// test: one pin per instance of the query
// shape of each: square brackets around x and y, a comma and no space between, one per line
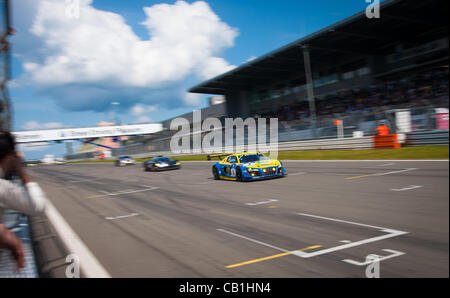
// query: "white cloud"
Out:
[139,109]
[192,99]
[143,119]
[34,125]
[212,67]
[85,61]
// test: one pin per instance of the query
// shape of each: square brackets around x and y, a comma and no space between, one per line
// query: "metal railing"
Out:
[421,138]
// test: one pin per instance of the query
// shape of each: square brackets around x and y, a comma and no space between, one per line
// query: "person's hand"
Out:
[10,242]
[13,163]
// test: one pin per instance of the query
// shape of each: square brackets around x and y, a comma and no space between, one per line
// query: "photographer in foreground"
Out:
[31,202]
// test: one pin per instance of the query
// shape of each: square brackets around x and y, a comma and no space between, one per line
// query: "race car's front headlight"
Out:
[178,163]
[157,164]
[253,170]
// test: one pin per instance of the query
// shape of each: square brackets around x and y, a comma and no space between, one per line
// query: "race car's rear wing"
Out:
[219,156]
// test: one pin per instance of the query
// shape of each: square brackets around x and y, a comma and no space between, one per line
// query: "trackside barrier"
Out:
[386,142]
[89,265]
[422,138]
[328,144]
[19,224]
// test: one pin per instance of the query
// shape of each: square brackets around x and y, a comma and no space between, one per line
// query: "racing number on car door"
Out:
[231,170]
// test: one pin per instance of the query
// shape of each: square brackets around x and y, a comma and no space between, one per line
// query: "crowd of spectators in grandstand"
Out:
[427,89]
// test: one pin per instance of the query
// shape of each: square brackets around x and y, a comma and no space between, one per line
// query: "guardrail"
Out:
[19,224]
[422,138]
[71,244]
[327,144]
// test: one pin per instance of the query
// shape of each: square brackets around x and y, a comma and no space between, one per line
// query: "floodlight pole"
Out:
[310,90]
[115,117]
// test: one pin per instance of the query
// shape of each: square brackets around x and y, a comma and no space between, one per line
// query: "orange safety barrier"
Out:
[386,142]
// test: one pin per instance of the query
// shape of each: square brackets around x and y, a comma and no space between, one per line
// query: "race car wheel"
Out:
[239,175]
[215,173]
[117,164]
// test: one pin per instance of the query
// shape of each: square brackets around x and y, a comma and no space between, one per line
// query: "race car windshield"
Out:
[252,158]
[162,159]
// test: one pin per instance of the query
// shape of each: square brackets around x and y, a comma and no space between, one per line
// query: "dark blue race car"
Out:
[161,163]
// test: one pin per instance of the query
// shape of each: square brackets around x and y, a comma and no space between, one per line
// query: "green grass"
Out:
[424,152]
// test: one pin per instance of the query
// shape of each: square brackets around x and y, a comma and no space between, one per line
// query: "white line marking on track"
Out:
[340,220]
[123,192]
[85,180]
[261,203]
[407,188]
[253,240]
[345,241]
[395,172]
[296,174]
[383,165]
[386,165]
[90,266]
[390,233]
[393,254]
[209,182]
[128,191]
[381,174]
[123,216]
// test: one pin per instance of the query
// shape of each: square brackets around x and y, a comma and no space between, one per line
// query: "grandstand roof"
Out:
[403,21]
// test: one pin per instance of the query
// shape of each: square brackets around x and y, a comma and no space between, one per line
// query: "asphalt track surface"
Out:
[322,220]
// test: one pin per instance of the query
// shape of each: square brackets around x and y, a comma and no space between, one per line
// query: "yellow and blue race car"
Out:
[246,167]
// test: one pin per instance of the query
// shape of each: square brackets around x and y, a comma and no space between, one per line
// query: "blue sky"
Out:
[75,94]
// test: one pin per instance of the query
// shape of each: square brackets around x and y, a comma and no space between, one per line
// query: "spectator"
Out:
[11,196]
[408,91]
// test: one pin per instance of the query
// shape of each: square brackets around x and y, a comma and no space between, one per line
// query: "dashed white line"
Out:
[123,216]
[261,203]
[385,165]
[297,174]
[395,172]
[407,188]
[128,191]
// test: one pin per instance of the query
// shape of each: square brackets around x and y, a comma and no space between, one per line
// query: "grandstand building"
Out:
[359,66]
